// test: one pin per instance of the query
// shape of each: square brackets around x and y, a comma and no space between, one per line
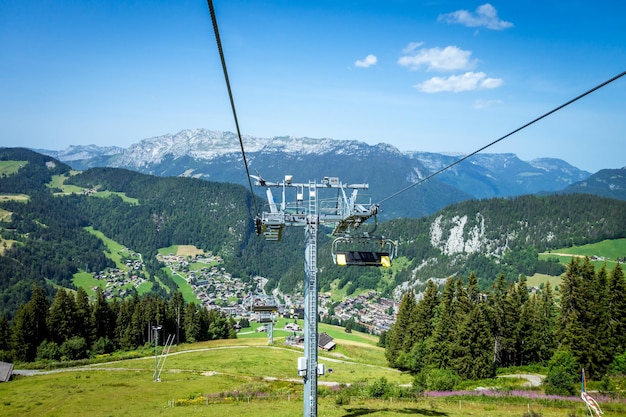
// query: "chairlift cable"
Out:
[232,101]
[504,137]
[232,105]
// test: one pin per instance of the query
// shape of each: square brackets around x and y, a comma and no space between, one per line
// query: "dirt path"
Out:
[534,380]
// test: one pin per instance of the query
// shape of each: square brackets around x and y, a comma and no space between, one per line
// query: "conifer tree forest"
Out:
[71,327]
[472,333]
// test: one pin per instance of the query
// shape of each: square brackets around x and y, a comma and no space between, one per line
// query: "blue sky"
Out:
[440,76]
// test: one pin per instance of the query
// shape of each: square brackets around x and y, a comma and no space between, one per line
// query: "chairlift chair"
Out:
[349,251]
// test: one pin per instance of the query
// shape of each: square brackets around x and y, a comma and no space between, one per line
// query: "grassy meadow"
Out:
[609,250]
[245,377]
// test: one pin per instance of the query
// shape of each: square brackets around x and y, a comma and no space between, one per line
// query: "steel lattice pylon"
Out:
[309,212]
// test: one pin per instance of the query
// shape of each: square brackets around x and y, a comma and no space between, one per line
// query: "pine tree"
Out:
[176,310]
[440,345]
[504,311]
[125,335]
[398,340]
[5,337]
[24,334]
[40,305]
[472,289]
[603,352]
[422,326]
[573,322]
[103,317]
[616,300]
[84,317]
[191,323]
[462,304]
[62,317]
[473,348]
[539,336]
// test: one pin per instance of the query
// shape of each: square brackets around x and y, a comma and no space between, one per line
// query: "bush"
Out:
[48,351]
[419,383]
[380,388]
[102,346]
[618,366]
[441,380]
[343,398]
[562,374]
[74,348]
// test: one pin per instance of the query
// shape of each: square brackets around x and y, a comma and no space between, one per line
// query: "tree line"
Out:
[471,333]
[71,327]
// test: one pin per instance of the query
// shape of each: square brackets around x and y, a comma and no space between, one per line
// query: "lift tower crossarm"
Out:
[342,211]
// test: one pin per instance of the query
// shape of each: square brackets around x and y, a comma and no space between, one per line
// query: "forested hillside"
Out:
[466,333]
[46,241]
[504,235]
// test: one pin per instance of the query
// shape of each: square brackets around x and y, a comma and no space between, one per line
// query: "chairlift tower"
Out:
[309,211]
[266,315]
[156,329]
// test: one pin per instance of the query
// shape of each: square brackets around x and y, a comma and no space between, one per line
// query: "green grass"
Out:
[538,279]
[58,182]
[169,250]
[609,249]
[183,287]
[144,287]
[14,197]
[123,196]
[338,332]
[222,368]
[87,282]
[10,167]
[115,250]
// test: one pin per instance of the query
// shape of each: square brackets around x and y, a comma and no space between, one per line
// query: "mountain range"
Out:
[46,211]
[217,156]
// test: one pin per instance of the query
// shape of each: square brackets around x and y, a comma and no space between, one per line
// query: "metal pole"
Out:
[310,306]
[156,356]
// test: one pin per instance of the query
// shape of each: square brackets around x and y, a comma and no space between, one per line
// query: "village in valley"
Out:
[215,288]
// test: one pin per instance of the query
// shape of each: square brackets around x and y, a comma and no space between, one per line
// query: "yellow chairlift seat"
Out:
[344,253]
[363,258]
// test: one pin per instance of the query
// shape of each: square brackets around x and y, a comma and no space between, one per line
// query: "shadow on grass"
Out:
[355,412]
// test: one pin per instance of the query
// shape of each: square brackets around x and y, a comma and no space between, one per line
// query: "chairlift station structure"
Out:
[308,209]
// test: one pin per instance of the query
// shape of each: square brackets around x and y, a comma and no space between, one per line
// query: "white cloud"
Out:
[449,58]
[485,16]
[367,62]
[411,47]
[458,83]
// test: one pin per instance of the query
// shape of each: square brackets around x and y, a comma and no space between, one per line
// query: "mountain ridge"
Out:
[216,155]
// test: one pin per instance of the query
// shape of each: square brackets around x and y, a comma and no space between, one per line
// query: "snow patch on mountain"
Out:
[203,144]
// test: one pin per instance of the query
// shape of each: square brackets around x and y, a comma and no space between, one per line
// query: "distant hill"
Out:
[216,156]
[44,237]
[51,243]
[502,235]
[607,183]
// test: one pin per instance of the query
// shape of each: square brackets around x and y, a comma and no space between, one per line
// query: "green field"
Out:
[183,287]
[10,167]
[115,250]
[58,182]
[609,250]
[538,279]
[245,377]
